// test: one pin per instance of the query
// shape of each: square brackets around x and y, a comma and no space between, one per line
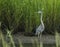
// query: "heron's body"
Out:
[40,28]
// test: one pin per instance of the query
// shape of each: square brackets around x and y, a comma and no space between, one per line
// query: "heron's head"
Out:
[39,12]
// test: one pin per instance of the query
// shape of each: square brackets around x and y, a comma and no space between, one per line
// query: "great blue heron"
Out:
[40,28]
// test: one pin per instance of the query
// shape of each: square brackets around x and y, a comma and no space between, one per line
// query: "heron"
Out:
[41,27]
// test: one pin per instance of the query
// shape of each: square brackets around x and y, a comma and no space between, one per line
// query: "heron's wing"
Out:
[40,28]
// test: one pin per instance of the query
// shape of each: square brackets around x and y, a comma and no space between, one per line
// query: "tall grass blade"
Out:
[11,38]
[4,43]
[33,43]
[20,43]
[57,37]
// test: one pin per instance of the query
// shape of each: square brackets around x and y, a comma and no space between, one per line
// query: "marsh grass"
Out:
[33,43]
[11,38]
[21,13]
[4,43]
[20,43]
[57,38]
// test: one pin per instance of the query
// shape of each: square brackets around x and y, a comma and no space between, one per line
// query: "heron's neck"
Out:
[41,19]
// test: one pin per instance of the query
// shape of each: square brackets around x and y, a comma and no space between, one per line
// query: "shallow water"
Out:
[44,45]
[31,45]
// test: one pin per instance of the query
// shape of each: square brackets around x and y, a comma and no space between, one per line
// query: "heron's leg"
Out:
[41,42]
[39,39]
[40,36]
